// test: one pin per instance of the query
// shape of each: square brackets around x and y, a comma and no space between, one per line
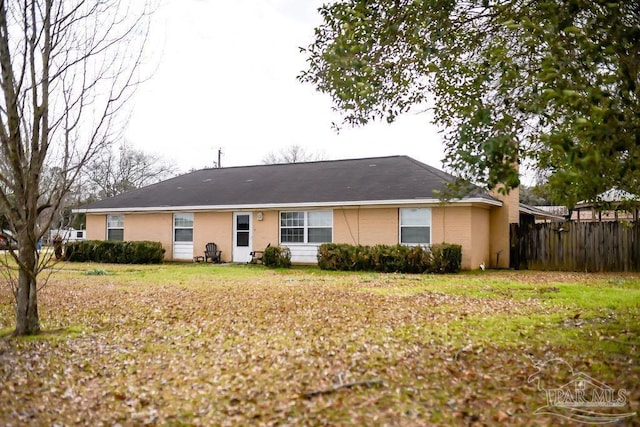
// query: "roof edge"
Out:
[532,210]
[430,201]
[348,159]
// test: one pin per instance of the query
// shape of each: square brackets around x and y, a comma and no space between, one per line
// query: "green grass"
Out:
[597,296]
[206,344]
[62,334]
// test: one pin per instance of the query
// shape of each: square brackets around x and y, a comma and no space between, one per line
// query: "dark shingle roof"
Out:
[369,179]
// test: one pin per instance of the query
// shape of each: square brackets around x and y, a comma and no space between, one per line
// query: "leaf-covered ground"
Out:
[243,345]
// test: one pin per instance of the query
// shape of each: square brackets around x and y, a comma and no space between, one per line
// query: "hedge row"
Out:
[115,252]
[277,256]
[438,258]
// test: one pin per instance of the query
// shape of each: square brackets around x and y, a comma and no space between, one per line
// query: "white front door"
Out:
[242,236]
[183,236]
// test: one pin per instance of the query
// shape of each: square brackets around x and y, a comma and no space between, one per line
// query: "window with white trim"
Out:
[115,227]
[183,227]
[415,226]
[306,227]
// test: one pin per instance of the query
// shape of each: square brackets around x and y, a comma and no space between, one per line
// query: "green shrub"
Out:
[97,272]
[400,259]
[277,256]
[417,260]
[328,258]
[107,251]
[361,259]
[442,258]
[446,258]
[81,251]
[115,252]
[147,252]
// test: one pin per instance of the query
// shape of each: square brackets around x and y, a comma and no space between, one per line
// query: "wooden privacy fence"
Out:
[573,246]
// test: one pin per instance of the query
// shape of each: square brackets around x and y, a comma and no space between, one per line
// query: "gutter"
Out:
[355,203]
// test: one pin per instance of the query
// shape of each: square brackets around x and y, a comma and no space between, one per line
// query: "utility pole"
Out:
[219,157]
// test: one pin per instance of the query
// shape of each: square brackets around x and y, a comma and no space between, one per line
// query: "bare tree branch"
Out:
[67,69]
[124,169]
[292,154]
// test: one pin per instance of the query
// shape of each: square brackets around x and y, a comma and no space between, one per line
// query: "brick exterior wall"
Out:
[477,228]
[215,227]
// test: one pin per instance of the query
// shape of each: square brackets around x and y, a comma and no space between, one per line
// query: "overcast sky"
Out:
[226,78]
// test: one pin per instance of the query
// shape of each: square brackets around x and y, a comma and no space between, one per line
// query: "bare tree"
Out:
[67,69]
[292,154]
[124,169]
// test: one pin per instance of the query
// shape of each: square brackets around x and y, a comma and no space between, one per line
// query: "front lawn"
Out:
[198,344]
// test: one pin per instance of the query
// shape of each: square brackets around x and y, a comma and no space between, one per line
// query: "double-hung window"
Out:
[292,227]
[319,226]
[115,227]
[306,227]
[183,227]
[415,226]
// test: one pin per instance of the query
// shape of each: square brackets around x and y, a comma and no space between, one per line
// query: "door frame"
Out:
[242,253]
[182,250]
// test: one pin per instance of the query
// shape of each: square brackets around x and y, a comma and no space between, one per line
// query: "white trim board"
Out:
[307,205]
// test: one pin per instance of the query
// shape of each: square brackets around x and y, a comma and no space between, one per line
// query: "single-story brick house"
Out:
[383,200]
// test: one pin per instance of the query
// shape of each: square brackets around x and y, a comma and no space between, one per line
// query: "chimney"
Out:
[501,218]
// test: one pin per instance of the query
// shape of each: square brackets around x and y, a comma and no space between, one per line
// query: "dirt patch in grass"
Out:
[205,345]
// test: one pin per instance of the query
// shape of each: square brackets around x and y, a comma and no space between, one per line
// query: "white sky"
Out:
[226,78]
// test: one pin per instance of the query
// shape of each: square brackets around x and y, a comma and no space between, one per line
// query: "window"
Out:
[183,227]
[243,232]
[292,227]
[306,227]
[415,226]
[115,227]
[320,227]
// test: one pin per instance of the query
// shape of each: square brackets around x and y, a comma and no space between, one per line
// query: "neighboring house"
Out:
[612,205]
[537,214]
[384,200]
[560,211]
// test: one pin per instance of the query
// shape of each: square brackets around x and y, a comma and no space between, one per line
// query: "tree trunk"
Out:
[65,73]
[27,320]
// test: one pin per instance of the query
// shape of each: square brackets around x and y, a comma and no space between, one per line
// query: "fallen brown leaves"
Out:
[204,350]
